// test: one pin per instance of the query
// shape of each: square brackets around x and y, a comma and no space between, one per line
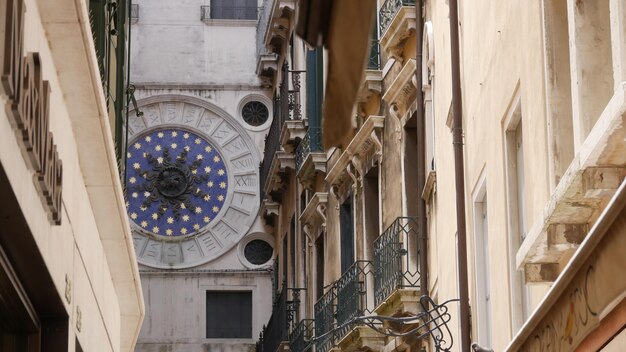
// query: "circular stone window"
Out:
[255,113]
[258,252]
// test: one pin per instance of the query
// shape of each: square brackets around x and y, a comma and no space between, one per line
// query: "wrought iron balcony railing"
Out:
[389,10]
[301,335]
[294,111]
[312,142]
[272,145]
[352,302]
[395,266]
[325,320]
[373,63]
[280,323]
[287,106]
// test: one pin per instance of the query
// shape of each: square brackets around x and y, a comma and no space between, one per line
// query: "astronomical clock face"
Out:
[191,183]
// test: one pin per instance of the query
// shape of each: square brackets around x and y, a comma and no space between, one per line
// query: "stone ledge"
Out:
[280,163]
[399,302]
[361,338]
[363,143]
[291,132]
[400,93]
[581,195]
[401,27]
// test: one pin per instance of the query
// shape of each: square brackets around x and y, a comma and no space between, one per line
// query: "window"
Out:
[292,250]
[410,167]
[234,9]
[372,222]
[319,267]
[516,208]
[258,252]
[481,256]
[229,314]
[255,113]
[346,223]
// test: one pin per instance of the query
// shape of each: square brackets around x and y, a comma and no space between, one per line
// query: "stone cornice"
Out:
[363,144]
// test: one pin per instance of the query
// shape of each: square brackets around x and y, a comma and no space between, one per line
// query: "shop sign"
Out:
[27,106]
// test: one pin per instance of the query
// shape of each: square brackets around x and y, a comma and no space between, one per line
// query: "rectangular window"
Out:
[234,9]
[346,223]
[517,226]
[319,267]
[371,209]
[314,86]
[481,252]
[229,314]
[410,167]
[292,250]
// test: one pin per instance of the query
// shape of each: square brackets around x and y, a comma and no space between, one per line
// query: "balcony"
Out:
[277,19]
[286,131]
[355,299]
[347,298]
[396,278]
[397,22]
[364,149]
[300,339]
[310,156]
[372,80]
[294,127]
[276,333]
[401,90]
[373,62]
[267,62]
[276,162]
[325,321]
[314,214]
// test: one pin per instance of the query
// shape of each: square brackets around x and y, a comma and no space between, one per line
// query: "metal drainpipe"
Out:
[457,141]
[422,237]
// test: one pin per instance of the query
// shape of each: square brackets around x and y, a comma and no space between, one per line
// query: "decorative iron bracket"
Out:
[430,322]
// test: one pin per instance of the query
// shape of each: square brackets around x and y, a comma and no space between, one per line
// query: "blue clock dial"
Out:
[177,182]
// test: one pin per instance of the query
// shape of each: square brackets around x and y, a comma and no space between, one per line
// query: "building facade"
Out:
[69,277]
[543,142]
[195,140]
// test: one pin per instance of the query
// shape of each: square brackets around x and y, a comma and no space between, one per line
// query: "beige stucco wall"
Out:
[501,56]
[80,249]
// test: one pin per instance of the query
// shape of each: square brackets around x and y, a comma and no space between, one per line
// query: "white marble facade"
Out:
[197,75]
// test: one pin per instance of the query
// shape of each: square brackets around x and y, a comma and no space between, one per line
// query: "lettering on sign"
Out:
[28,107]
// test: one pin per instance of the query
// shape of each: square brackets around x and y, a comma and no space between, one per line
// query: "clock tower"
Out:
[195,140]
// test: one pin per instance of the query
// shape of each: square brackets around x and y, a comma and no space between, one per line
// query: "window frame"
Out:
[245,331]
